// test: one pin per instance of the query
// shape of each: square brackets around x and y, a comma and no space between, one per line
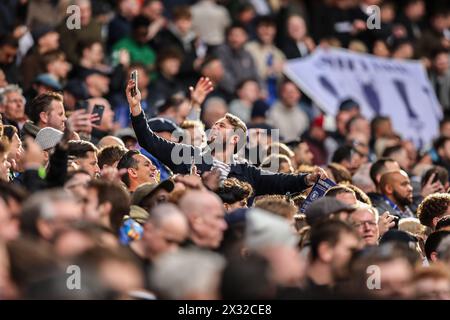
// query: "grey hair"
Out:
[8,89]
[164,211]
[43,202]
[186,272]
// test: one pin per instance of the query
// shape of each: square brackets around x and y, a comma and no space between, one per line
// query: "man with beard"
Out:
[226,137]
[332,243]
[397,195]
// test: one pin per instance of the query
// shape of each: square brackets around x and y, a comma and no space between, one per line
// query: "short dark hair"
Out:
[12,190]
[352,121]
[340,173]
[377,167]
[168,53]
[233,26]
[434,205]
[42,103]
[440,173]
[140,22]
[246,279]
[266,20]
[433,241]
[327,231]
[440,142]
[9,40]
[443,222]
[234,190]
[110,154]
[243,82]
[181,12]
[334,191]
[127,161]
[73,173]
[80,148]
[390,151]
[342,153]
[52,56]
[9,131]
[116,195]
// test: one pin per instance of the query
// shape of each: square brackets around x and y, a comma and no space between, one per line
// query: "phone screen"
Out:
[134,77]
[98,110]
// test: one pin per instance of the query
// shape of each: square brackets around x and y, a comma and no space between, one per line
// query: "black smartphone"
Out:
[98,110]
[134,77]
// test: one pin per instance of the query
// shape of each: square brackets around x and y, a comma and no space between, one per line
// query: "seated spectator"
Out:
[248,92]
[326,267]
[136,44]
[13,106]
[179,35]
[396,191]
[205,214]
[269,60]
[365,221]
[234,194]
[47,40]
[298,44]
[432,208]
[90,30]
[287,115]
[139,170]
[149,195]
[83,155]
[238,64]
[167,83]
[109,156]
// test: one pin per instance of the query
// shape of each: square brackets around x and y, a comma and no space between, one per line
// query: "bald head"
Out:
[110,141]
[197,203]
[391,177]
[204,211]
[397,187]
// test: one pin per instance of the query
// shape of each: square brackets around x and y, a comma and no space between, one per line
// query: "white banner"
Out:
[398,89]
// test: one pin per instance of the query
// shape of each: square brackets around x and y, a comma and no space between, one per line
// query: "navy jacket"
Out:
[177,157]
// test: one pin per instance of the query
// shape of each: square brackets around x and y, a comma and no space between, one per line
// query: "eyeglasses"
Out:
[371,224]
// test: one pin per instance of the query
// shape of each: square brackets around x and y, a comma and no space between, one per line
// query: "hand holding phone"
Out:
[134,77]
[98,111]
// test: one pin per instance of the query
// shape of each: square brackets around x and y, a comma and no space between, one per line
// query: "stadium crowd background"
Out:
[103,196]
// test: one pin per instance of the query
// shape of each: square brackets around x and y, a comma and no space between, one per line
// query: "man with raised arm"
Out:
[225,139]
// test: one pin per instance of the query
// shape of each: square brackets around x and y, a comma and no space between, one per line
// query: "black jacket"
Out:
[263,182]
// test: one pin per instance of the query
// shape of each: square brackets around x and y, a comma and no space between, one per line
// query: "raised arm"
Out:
[171,154]
[281,183]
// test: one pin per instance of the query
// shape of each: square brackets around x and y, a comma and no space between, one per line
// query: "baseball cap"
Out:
[48,138]
[163,125]
[323,208]
[147,189]
[48,80]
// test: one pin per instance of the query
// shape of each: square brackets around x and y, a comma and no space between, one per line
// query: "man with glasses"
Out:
[365,222]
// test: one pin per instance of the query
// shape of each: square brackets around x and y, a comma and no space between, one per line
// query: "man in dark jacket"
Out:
[225,139]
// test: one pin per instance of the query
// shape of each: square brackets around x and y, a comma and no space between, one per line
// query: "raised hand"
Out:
[133,101]
[315,175]
[198,94]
